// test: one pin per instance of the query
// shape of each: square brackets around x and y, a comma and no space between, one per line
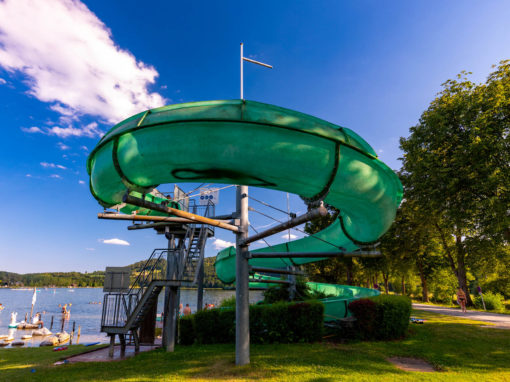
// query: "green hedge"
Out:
[187,333]
[384,317]
[276,323]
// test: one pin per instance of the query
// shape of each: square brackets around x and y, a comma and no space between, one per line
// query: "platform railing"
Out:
[118,307]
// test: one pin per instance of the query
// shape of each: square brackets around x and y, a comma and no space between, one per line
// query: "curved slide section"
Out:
[255,144]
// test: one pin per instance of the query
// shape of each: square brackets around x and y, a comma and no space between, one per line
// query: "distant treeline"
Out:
[92,279]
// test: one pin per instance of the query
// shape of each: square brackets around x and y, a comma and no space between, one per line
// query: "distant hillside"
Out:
[93,279]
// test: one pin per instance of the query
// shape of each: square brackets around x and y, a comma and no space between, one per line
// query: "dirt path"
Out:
[501,320]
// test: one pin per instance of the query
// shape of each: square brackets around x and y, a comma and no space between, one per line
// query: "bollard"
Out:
[72,333]
[51,326]
[78,336]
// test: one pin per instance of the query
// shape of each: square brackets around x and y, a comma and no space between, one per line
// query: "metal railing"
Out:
[118,307]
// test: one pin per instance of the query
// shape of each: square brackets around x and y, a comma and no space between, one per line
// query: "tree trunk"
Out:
[348,264]
[403,285]
[425,291]
[458,269]
[386,277]
[461,270]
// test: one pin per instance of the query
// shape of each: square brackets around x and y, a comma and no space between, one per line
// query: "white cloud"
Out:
[81,182]
[55,176]
[62,146]
[90,249]
[53,165]
[71,61]
[286,236]
[220,244]
[115,241]
[2,81]
[91,131]
[84,148]
[28,175]
[33,129]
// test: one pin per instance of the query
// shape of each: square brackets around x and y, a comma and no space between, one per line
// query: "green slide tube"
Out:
[255,144]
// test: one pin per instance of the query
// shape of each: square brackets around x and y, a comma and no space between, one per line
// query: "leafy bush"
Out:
[384,317]
[442,286]
[228,302]
[365,311]
[493,301]
[215,326]
[303,292]
[277,323]
[187,333]
[393,314]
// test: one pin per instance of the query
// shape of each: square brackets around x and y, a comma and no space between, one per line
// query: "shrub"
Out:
[493,301]
[393,314]
[383,317]
[365,311]
[282,292]
[228,302]
[276,323]
[214,326]
[187,333]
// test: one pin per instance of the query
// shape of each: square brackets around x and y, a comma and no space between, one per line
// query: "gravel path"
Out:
[501,320]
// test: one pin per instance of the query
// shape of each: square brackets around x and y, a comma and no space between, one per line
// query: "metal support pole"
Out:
[242,95]
[171,299]
[200,287]
[242,279]
[310,215]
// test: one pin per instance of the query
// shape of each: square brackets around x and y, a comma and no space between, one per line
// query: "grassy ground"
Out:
[460,349]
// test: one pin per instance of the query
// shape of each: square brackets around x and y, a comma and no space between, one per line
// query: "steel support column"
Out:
[200,287]
[171,298]
[242,281]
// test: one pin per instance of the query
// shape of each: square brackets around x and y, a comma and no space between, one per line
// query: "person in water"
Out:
[187,310]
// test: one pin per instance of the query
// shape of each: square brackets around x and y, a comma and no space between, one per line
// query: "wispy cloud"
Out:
[90,249]
[53,165]
[220,244]
[115,241]
[71,61]
[286,236]
[90,130]
[33,129]
[2,81]
[62,146]
[81,182]
[56,176]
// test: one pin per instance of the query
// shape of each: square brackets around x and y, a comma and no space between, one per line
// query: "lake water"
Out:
[84,312]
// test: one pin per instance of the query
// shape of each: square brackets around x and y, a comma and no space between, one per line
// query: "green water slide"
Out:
[255,144]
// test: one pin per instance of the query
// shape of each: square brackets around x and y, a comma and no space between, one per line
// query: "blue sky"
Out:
[69,70]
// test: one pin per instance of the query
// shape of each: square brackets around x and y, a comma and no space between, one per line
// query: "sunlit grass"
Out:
[458,348]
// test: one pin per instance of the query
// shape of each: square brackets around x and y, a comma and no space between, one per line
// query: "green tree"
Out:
[456,166]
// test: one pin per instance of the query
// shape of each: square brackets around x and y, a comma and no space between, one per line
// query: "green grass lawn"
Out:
[460,349]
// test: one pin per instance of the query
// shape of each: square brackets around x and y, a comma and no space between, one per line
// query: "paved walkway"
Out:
[101,355]
[500,320]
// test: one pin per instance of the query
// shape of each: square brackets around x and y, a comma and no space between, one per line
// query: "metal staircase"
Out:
[124,311]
